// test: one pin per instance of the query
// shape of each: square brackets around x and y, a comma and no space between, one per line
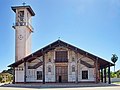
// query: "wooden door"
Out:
[61,74]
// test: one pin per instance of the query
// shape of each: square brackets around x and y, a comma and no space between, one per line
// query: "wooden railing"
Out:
[61,60]
[23,24]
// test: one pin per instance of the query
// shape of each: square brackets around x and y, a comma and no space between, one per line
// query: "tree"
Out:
[8,71]
[113,75]
[114,59]
[118,74]
[0,79]
[10,78]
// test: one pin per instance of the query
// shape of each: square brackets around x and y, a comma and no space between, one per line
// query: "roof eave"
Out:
[27,7]
[67,45]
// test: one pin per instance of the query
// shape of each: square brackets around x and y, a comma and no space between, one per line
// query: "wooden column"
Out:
[101,75]
[109,79]
[77,73]
[104,75]
[96,70]
[13,75]
[24,72]
[43,69]
[76,66]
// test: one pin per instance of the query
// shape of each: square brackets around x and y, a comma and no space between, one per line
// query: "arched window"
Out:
[49,68]
[73,68]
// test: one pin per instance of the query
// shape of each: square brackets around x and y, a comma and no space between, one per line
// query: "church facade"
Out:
[58,62]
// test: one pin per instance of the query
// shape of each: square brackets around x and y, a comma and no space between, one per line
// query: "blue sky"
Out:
[92,25]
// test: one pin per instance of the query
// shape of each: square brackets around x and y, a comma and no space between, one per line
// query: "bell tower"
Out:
[23,30]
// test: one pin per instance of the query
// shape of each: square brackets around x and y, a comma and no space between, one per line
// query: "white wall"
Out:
[72,75]
[115,79]
[49,76]
[90,74]
[32,74]
[19,75]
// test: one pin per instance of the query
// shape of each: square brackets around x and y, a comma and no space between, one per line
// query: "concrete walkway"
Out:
[59,85]
[74,88]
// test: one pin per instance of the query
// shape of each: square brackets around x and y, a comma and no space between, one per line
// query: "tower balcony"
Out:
[23,24]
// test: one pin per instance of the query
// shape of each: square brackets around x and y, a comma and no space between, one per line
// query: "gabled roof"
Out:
[103,63]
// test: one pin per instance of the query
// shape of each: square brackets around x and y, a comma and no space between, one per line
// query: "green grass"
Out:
[116,82]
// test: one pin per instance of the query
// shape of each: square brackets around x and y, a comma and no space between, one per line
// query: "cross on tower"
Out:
[23,3]
[58,38]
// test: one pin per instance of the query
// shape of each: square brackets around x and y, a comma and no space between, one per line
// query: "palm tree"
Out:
[114,59]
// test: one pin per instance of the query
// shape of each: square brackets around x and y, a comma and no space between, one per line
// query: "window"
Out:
[73,59]
[73,68]
[49,68]
[61,56]
[39,75]
[21,15]
[85,74]
[49,60]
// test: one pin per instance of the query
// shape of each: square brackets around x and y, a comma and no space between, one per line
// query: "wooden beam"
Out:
[35,66]
[48,48]
[86,64]
[31,58]
[43,69]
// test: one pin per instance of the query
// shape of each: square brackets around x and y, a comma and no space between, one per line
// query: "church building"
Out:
[58,62]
